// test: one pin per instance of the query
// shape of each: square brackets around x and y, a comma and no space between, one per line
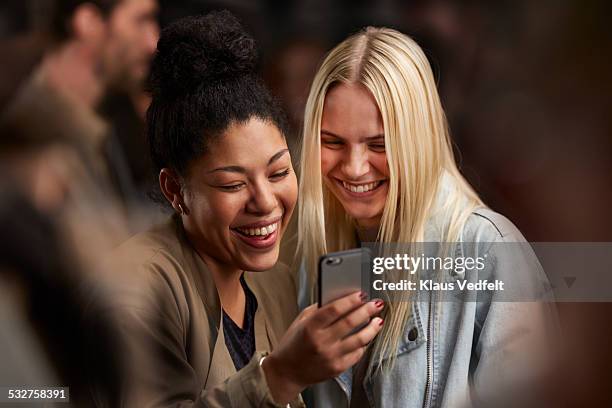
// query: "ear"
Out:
[88,23]
[170,185]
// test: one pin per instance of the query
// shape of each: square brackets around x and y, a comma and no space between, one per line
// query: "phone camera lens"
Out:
[333,261]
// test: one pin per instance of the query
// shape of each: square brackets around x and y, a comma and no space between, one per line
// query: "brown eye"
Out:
[280,175]
[232,187]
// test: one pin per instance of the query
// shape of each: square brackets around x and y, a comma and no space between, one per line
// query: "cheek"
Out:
[329,160]
[379,162]
[218,210]
[287,192]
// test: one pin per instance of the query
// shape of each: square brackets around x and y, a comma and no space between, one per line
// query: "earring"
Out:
[181,210]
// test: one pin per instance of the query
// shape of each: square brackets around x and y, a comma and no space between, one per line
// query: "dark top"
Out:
[240,341]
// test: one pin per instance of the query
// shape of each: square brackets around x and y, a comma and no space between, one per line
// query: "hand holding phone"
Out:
[320,344]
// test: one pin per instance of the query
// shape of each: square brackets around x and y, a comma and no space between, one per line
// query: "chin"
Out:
[261,262]
[363,214]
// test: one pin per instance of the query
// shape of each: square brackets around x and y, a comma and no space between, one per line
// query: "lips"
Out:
[360,189]
[258,231]
[260,235]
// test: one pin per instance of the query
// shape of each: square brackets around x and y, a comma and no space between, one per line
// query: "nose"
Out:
[263,199]
[151,37]
[356,163]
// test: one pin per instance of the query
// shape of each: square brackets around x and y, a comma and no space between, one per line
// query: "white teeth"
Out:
[263,231]
[361,188]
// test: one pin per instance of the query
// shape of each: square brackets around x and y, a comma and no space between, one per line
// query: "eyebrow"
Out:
[239,169]
[369,138]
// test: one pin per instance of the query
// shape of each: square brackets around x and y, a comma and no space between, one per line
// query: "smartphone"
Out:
[342,273]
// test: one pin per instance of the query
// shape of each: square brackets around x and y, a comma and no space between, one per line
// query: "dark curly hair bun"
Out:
[198,50]
[202,81]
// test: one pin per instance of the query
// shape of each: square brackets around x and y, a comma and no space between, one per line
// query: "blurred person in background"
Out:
[45,338]
[124,107]
[61,210]
[52,128]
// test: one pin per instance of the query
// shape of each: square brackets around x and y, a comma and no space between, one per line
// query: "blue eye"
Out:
[333,144]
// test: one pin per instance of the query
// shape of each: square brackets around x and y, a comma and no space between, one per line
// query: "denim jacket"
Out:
[454,353]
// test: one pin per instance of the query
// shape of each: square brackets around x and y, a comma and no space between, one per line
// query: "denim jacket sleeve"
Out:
[514,331]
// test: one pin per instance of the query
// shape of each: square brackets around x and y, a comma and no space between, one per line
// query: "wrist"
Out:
[283,388]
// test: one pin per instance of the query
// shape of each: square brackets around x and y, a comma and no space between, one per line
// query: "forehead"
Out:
[350,110]
[245,144]
[135,6]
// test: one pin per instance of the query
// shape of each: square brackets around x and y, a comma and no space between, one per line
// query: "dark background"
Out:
[526,86]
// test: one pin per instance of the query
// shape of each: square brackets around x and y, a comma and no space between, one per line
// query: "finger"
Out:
[302,316]
[362,338]
[307,312]
[349,322]
[328,314]
[351,359]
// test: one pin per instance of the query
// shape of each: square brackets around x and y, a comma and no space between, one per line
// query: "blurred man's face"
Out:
[132,39]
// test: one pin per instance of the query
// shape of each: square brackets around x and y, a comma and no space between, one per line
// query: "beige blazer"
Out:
[169,312]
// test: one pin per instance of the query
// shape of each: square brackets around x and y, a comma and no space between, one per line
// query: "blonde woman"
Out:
[375,124]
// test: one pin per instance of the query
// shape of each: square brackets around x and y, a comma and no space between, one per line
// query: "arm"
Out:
[151,323]
[317,346]
[515,329]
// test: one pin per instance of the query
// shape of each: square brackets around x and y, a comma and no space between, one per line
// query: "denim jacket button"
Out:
[412,334]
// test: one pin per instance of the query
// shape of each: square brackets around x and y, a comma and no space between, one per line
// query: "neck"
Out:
[71,70]
[227,282]
[368,233]
[231,293]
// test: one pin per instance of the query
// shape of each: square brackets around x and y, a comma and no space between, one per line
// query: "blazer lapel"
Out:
[221,364]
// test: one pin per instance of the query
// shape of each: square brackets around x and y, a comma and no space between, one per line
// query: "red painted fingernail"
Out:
[379,303]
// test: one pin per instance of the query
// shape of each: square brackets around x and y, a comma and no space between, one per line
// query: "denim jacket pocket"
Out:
[414,333]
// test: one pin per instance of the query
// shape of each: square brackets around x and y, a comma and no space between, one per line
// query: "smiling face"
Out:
[353,160]
[240,196]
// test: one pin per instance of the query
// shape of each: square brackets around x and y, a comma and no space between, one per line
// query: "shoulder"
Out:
[149,264]
[490,234]
[160,244]
[484,224]
[509,257]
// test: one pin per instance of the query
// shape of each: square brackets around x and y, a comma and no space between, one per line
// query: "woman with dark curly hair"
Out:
[206,305]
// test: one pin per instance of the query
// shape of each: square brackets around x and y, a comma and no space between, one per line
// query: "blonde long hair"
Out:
[418,148]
